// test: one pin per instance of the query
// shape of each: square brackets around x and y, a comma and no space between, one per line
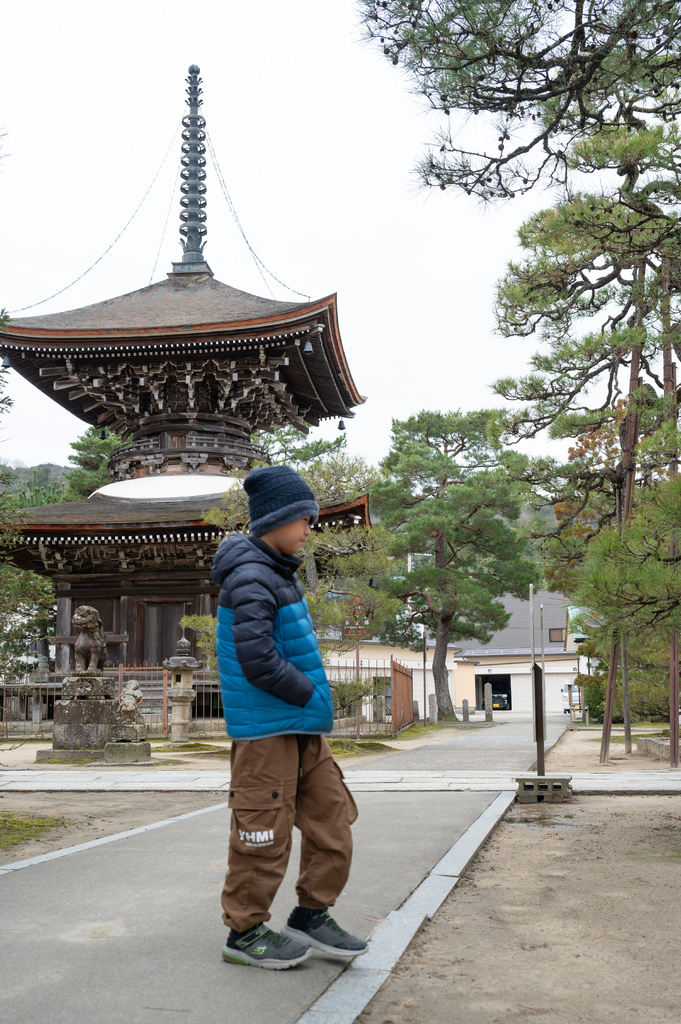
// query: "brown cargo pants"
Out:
[277,783]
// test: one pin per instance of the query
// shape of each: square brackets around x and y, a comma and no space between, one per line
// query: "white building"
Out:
[505,661]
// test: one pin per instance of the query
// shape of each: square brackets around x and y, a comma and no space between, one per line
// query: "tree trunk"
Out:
[629,471]
[445,708]
[626,709]
[311,574]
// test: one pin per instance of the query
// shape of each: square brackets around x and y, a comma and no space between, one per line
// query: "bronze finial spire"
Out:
[193,215]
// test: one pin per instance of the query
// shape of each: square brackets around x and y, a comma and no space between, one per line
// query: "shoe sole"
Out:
[340,954]
[244,960]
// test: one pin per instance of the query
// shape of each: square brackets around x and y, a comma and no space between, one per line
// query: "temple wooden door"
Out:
[161,630]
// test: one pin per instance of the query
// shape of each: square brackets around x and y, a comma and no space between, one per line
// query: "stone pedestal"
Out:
[181,701]
[127,752]
[90,723]
[81,721]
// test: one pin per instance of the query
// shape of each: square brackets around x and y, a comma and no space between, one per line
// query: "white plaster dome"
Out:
[172,487]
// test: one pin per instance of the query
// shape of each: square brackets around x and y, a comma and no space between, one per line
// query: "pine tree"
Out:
[90,458]
[516,82]
[450,494]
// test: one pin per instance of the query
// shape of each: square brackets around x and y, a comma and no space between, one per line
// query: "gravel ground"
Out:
[568,915]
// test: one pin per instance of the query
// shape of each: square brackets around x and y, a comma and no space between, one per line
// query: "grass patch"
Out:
[20,828]
[348,747]
[19,741]
[634,736]
[418,730]
[169,748]
[165,761]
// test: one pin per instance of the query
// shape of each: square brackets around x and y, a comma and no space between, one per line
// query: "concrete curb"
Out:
[353,990]
[653,781]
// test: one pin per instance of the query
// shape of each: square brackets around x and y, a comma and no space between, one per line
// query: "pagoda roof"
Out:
[184,301]
[187,315]
[102,514]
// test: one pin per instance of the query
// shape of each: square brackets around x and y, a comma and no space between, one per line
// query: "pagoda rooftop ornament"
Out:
[193,187]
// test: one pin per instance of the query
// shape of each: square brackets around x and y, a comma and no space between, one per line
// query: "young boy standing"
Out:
[277,706]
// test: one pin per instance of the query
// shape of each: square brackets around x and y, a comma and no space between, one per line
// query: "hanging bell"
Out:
[6,362]
[307,348]
[102,435]
[341,425]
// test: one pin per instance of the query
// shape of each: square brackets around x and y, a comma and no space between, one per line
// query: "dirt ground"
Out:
[578,750]
[568,915]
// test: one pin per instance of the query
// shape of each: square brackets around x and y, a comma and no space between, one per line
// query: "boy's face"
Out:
[290,538]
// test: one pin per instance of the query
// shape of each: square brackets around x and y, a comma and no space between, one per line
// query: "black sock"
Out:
[305,912]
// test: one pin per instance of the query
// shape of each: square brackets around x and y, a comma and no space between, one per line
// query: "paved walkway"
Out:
[126,930]
[507,746]
[373,781]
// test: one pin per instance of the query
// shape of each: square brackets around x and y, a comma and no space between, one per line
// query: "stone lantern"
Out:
[181,693]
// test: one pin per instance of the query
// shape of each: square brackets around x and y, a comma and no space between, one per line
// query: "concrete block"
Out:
[653,747]
[62,754]
[538,789]
[126,752]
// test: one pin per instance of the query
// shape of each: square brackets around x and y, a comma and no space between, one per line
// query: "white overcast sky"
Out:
[317,135]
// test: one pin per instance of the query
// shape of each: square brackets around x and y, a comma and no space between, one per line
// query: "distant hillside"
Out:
[45,474]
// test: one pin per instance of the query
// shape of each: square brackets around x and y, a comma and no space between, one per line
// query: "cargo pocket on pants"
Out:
[259,826]
[353,812]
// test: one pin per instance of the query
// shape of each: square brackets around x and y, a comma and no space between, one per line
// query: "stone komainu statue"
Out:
[132,696]
[90,640]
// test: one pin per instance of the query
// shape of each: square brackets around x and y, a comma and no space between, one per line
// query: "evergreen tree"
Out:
[535,75]
[90,458]
[450,494]
[26,600]
[296,449]
[333,475]
[629,581]
[38,490]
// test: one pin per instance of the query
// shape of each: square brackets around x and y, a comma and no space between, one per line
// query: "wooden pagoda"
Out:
[186,370]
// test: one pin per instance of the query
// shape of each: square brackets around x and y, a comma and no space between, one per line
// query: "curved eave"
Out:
[106,519]
[322,380]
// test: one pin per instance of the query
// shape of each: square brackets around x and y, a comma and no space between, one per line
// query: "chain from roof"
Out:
[193,215]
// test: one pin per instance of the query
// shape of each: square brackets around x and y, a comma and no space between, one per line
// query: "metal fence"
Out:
[377,698]
[371,697]
[27,707]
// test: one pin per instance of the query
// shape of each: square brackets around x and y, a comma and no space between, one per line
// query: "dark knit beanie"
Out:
[276,496]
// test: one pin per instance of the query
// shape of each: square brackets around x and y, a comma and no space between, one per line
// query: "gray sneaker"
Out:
[321,932]
[261,947]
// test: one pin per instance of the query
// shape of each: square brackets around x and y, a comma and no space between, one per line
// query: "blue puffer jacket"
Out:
[271,672]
